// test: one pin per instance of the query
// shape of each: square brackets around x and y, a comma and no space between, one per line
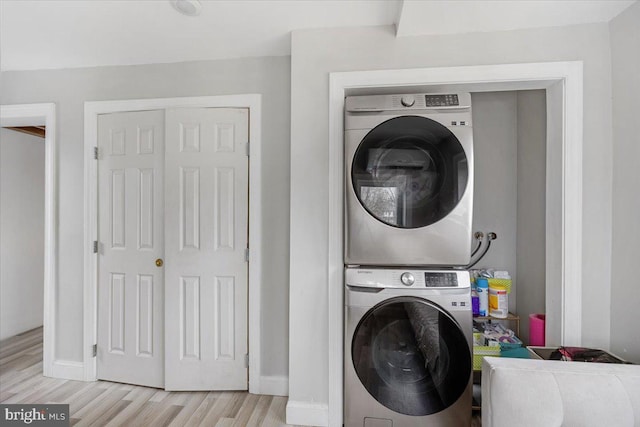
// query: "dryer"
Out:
[408,348]
[408,180]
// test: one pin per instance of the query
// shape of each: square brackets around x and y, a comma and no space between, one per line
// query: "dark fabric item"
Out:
[583,354]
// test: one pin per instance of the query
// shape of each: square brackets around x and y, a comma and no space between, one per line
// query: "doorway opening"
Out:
[21,230]
[562,82]
[44,115]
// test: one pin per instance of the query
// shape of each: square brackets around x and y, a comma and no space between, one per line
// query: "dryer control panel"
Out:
[403,102]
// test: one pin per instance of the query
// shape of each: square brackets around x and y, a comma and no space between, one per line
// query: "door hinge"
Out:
[246,360]
[248,150]
[95,350]
[95,153]
[95,246]
[246,254]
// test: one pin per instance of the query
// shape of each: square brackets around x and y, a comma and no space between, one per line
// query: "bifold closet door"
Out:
[206,235]
[173,230]
[131,239]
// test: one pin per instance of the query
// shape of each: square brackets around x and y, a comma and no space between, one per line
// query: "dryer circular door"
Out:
[411,356]
[409,172]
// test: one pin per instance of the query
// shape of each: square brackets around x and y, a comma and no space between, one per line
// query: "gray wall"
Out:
[21,232]
[495,135]
[70,88]
[625,290]
[509,130]
[316,53]
[531,177]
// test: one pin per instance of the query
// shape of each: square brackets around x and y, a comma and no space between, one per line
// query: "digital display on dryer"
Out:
[440,280]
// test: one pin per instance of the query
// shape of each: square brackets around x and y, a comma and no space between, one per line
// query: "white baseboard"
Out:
[274,385]
[71,370]
[307,413]
[67,370]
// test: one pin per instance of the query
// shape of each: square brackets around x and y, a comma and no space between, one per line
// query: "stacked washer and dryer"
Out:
[408,213]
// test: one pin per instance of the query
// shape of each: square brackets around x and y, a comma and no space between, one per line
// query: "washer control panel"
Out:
[414,279]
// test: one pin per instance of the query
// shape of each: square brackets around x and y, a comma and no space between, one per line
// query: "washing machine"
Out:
[408,180]
[408,348]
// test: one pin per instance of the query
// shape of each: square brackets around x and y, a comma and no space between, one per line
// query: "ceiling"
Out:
[48,34]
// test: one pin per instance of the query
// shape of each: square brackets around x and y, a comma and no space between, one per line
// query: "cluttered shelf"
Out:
[492,318]
[510,317]
[494,339]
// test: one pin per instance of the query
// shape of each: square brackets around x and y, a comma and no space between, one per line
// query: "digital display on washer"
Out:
[440,280]
[441,100]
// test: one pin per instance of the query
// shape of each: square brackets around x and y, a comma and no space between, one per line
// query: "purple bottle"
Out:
[475,303]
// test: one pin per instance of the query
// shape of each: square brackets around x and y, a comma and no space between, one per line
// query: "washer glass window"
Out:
[409,172]
[411,356]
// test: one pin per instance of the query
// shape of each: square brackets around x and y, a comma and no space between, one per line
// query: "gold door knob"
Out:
[159,262]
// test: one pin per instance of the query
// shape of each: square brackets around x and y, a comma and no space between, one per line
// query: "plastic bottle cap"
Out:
[482,283]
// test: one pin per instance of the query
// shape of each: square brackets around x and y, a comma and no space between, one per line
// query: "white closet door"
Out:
[130,221]
[206,229]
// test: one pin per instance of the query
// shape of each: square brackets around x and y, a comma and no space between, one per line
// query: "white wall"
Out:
[316,53]
[21,232]
[625,288]
[70,88]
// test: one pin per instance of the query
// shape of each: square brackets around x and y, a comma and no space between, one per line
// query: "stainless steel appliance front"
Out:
[408,180]
[407,348]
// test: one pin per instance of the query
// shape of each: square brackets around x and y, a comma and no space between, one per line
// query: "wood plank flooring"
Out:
[104,403]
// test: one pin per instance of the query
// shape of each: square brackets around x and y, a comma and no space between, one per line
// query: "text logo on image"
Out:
[54,415]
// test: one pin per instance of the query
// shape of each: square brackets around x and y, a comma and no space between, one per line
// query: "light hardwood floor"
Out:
[104,403]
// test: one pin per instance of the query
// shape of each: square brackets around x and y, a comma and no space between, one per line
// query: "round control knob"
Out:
[407,101]
[407,279]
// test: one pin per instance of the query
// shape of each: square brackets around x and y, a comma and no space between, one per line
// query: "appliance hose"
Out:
[490,236]
[479,237]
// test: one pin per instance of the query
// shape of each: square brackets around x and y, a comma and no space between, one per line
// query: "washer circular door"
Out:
[409,172]
[411,356]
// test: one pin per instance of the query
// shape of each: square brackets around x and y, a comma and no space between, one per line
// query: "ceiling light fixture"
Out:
[187,7]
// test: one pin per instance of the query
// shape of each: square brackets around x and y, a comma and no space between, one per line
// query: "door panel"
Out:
[206,233]
[145,315]
[190,318]
[189,208]
[130,231]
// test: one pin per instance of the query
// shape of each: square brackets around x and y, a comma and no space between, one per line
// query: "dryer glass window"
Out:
[409,172]
[411,356]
